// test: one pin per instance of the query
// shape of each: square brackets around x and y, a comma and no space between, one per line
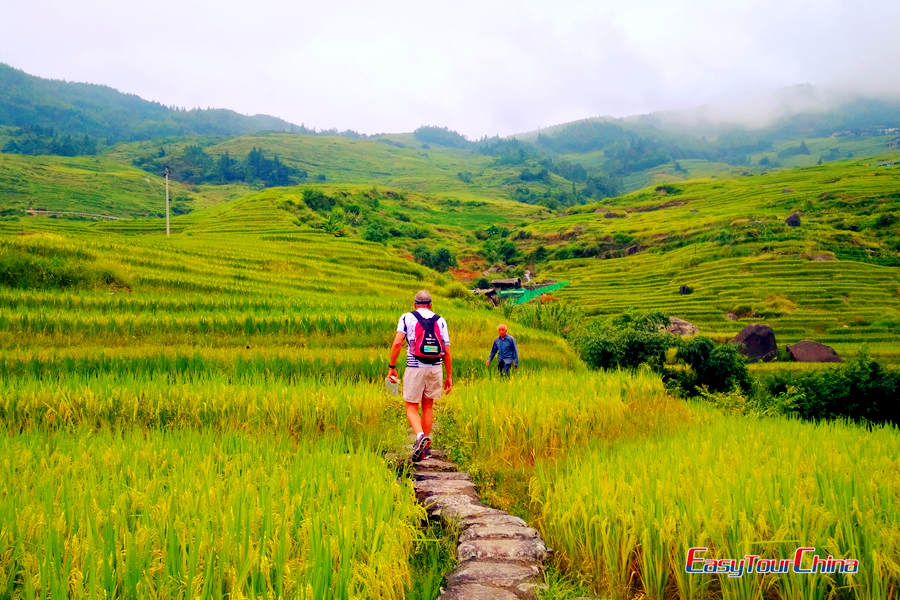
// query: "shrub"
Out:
[439,260]
[375,232]
[627,340]
[317,200]
[862,389]
[718,367]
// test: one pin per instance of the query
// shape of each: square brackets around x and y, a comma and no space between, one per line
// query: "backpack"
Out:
[428,347]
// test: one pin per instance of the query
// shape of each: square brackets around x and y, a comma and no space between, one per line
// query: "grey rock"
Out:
[503,574]
[524,550]
[731,316]
[439,488]
[434,464]
[476,591]
[459,512]
[809,351]
[681,327]
[757,342]
[509,532]
[438,503]
[793,220]
[496,518]
[427,475]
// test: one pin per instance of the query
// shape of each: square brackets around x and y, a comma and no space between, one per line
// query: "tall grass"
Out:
[138,513]
[625,514]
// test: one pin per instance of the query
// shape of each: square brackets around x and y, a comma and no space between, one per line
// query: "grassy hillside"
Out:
[834,278]
[391,160]
[88,185]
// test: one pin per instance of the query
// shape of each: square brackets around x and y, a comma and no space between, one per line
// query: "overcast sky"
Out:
[481,68]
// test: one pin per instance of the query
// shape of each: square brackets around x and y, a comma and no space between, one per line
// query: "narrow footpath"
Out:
[499,557]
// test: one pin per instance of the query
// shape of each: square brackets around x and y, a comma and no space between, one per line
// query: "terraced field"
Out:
[203,416]
[834,278]
[87,185]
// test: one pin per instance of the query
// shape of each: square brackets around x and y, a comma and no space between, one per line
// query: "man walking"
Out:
[506,350]
[427,348]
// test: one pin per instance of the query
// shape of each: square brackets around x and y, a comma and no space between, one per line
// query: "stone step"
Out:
[499,556]
[531,551]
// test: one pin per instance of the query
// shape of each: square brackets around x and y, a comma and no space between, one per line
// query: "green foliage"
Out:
[626,341]
[26,270]
[439,259]
[863,389]
[194,165]
[316,200]
[500,250]
[561,318]
[38,140]
[442,136]
[717,367]
[375,232]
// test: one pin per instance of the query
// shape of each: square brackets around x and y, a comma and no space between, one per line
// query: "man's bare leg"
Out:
[427,415]
[412,415]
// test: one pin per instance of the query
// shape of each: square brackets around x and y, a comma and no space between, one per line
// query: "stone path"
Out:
[499,556]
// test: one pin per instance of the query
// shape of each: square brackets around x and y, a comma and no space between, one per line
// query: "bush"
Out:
[317,200]
[860,390]
[375,232]
[627,341]
[718,367]
[439,260]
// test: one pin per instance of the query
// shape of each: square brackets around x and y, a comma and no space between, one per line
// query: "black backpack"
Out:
[428,346]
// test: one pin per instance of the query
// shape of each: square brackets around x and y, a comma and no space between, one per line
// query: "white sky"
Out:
[481,68]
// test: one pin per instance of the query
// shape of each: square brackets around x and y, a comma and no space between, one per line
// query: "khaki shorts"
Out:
[423,381]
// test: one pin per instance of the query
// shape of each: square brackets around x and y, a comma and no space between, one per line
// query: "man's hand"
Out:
[515,366]
[488,363]
[448,385]
[392,375]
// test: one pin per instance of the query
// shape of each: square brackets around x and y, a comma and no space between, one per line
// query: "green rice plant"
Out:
[763,487]
[177,513]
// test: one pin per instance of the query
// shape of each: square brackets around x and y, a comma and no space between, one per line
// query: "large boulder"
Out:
[809,351]
[793,220]
[757,342]
[681,327]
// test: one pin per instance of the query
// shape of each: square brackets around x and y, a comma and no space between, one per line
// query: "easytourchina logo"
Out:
[803,562]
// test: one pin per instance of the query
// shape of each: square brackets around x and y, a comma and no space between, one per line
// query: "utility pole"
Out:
[167,202]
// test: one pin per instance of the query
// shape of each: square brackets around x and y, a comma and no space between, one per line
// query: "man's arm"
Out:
[395,353]
[494,349]
[448,365]
[515,351]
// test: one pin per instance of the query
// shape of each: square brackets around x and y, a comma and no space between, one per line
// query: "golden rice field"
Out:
[622,480]
[204,416]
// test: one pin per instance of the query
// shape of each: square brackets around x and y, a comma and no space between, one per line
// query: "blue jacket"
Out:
[505,348]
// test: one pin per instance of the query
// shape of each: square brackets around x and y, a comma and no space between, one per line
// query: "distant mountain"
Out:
[760,131]
[44,108]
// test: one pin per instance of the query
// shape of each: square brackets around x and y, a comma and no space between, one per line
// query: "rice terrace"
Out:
[704,405]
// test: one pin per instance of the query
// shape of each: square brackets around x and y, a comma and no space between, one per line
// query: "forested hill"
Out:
[47,112]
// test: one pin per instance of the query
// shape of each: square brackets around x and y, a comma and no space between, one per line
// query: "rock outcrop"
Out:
[681,327]
[809,351]
[757,342]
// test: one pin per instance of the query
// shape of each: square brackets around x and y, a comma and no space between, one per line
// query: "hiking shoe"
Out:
[420,447]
